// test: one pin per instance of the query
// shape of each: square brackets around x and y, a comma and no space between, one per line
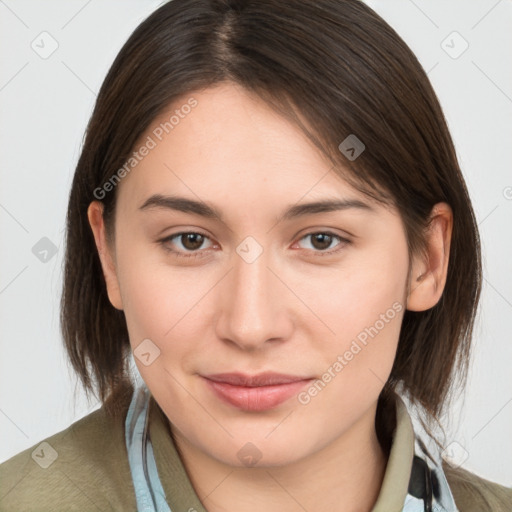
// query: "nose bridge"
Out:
[249,315]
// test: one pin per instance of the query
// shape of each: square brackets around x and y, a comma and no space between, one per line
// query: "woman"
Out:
[269,216]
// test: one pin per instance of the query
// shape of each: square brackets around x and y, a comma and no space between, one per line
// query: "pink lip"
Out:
[255,393]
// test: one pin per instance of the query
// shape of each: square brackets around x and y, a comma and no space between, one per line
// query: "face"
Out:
[265,286]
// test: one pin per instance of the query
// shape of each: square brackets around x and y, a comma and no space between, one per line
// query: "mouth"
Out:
[256,393]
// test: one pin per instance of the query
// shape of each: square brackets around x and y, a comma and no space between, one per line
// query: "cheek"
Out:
[354,294]
[361,305]
[164,307]
[355,363]
[163,303]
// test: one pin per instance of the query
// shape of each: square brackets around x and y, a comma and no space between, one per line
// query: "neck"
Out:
[345,475]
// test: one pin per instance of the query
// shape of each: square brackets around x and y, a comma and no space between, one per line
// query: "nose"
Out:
[254,305]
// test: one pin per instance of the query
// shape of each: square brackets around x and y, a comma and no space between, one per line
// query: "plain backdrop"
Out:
[45,102]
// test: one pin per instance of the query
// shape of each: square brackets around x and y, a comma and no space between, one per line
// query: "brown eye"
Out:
[321,241]
[185,244]
[192,241]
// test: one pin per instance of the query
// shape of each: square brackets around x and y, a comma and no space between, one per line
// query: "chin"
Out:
[242,452]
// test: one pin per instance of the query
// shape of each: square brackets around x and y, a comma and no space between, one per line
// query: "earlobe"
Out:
[95,216]
[429,271]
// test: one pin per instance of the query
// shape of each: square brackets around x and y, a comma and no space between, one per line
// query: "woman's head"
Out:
[250,109]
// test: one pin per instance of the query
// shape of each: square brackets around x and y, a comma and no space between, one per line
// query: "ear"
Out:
[107,258]
[429,271]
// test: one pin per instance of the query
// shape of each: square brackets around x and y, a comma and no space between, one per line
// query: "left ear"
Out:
[429,270]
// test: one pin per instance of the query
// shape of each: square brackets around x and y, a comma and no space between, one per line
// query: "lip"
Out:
[259,392]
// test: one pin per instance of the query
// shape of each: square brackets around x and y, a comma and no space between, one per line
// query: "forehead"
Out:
[232,145]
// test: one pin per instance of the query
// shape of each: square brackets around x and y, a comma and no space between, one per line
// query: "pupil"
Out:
[325,241]
[196,240]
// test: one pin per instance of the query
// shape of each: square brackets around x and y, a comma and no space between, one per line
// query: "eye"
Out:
[322,240]
[191,242]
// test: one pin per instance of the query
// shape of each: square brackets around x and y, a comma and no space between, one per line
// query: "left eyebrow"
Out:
[327,205]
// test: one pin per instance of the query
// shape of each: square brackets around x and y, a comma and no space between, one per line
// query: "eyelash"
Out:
[198,253]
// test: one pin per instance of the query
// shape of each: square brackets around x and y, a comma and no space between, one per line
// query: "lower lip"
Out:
[259,398]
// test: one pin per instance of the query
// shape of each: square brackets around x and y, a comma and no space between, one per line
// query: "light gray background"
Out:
[44,107]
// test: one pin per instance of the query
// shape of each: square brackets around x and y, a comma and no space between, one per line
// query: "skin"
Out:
[293,310]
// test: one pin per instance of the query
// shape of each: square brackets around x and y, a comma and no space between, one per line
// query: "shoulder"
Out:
[473,493]
[84,467]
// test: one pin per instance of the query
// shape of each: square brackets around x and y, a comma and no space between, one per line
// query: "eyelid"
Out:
[186,254]
[343,241]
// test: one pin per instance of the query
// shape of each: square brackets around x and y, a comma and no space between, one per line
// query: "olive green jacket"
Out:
[85,468]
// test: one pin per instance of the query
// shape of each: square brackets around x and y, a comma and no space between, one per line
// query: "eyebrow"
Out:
[183,204]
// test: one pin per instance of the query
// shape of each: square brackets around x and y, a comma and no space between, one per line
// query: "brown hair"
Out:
[334,65]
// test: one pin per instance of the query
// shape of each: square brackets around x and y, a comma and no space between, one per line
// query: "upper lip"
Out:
[261,379]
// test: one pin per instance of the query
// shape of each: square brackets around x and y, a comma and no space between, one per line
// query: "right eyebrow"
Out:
[181,204]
